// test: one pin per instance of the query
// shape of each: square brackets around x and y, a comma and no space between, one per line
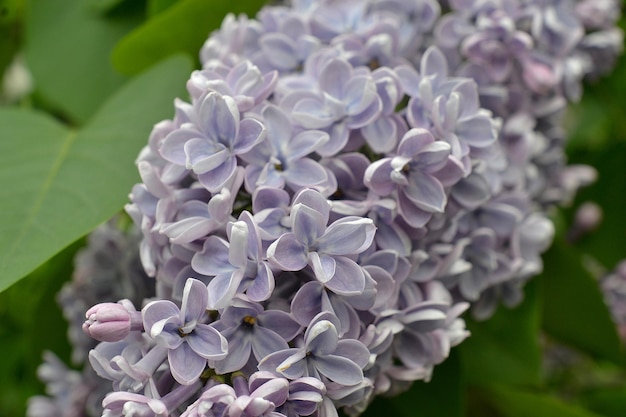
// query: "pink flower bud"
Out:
[110,322]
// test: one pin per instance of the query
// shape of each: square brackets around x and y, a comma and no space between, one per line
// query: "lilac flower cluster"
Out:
[613,286]
[107,269]
[347,177]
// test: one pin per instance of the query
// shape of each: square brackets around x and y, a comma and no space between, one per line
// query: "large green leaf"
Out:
[68,48]
[505,348]
[574,311]
[511,402]
[154,7]
[442,396]
[58,184]
[181,28]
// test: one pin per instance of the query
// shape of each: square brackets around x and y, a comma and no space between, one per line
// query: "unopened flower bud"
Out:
[587,219]
[111,322]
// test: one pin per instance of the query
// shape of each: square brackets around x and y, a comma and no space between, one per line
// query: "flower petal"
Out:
[195,300]
[213,259]
[207,342]
[347,236]
[185,365]
[323,266]
[321,338]
[287,253]
[339,369]
[239,349]
[349,278]
[223,288]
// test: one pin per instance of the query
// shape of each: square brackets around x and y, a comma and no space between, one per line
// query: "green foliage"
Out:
[574,311]
[606,244]
[68,43]
[505,348]
[31,323]
[155,7]
[57,184]
[182,28]
[442,396]
[520,403]
[610,402]
[10,34]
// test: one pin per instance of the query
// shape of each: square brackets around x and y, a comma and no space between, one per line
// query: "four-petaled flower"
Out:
[326,249]
[322,354]
[189,341]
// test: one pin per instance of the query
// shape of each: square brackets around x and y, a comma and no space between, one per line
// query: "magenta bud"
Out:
[110,322]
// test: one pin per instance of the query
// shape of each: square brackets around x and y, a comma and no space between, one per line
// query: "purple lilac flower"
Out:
[282,159]
[345,178]
[70,393]
[209,146]
[249,329]
[324,248]
[244,82]
[188,340]
[613,286]
[236,265]
[345,101]
[322,354]
[412,176]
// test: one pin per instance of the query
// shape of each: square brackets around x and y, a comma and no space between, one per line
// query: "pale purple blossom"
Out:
[237,265]
[188,340]
[209,144]
[322,354]
[325,248]
[251,330]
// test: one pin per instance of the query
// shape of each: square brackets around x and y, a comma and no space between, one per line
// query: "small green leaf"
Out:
[57,184]
[182,28]
[574,311]
[68,48]
[505,348]
[510,402]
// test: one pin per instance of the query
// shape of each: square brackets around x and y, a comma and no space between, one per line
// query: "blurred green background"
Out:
[82,53]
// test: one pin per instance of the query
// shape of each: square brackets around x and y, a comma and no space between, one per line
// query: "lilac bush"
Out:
[347,179]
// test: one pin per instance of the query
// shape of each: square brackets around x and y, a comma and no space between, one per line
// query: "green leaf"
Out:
[511,402]
[57,184]
[182,28]
[574,311]
[103,6]
[610,402]
[505,348]
[442,396]
[597,119]
[68,48]
[11,12]
[155,7]
[31,322]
